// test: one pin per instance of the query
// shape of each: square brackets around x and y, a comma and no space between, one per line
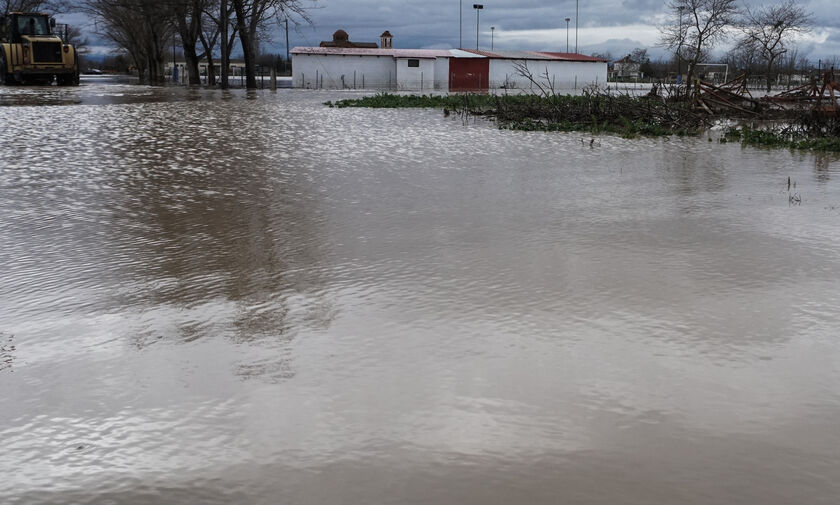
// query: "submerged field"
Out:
[250,298]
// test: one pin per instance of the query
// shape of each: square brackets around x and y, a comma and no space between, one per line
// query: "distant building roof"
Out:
[361,51]
[535,55]
[342,39]
[445,53]
[510,55]
[573,57]
[460,53]
[626,59]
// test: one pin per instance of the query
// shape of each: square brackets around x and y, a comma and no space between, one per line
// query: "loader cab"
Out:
[16,25]
[4,28]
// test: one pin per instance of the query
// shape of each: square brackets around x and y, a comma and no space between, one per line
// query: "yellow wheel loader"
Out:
[31,54]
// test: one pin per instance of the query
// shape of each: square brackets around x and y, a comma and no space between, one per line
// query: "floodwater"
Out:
[252,298]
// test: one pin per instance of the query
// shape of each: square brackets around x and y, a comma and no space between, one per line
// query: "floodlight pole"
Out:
[477,8]
[492,36]
[567,34]
[577,2]
[460,24]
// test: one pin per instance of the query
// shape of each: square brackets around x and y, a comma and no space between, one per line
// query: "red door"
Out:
[469,74]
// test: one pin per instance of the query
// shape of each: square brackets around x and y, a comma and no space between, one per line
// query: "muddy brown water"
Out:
[212,298]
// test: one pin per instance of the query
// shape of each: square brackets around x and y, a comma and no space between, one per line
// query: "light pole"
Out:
[567,34]
[460,24]
[477,8]
[492,36]
[577,2]
[679,48]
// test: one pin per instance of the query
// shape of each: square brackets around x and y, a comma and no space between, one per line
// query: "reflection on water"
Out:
[241,297]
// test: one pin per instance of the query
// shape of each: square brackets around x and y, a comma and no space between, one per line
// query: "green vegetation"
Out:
[618,115]
[621,115]
[784,138]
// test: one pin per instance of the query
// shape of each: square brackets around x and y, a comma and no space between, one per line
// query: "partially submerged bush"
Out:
[624,115]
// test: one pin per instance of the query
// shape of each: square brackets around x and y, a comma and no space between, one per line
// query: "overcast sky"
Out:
[616,26]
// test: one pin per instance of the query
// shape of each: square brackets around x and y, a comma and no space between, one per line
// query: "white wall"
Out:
[316,70]
[442,74]
[563,74]
[419,78]
[386,72]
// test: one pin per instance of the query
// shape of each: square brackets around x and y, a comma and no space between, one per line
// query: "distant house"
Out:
[626,68]
[237,68]
[712,72]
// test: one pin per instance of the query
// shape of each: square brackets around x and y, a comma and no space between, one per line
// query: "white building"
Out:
[361,68]
[339,65]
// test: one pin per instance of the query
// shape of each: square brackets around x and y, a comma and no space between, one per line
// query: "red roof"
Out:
[540,55]
[571,56]
[361,51]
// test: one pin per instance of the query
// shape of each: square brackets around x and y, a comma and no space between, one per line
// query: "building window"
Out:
[413,63]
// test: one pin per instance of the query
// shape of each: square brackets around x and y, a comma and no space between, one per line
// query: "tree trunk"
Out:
[192,63]
[140,65]
[141,73]
[225,67]
[769,74]
[211,71]
[208,55]
[247,45]
[156,63]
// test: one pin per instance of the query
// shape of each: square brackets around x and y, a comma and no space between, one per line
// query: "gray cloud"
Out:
[605,25]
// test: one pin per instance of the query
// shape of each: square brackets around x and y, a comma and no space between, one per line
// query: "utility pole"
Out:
[286,66]
[477,8]
[224,35]
[679,47]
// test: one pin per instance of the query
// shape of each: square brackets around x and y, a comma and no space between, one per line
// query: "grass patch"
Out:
[784,138]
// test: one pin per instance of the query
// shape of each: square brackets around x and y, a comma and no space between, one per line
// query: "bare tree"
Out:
[768,30]
[138,27]
[695,27]
[7,6]
[187,16]
[73,35]
[251,16]
[217,27]
[209,37]
[743,58]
